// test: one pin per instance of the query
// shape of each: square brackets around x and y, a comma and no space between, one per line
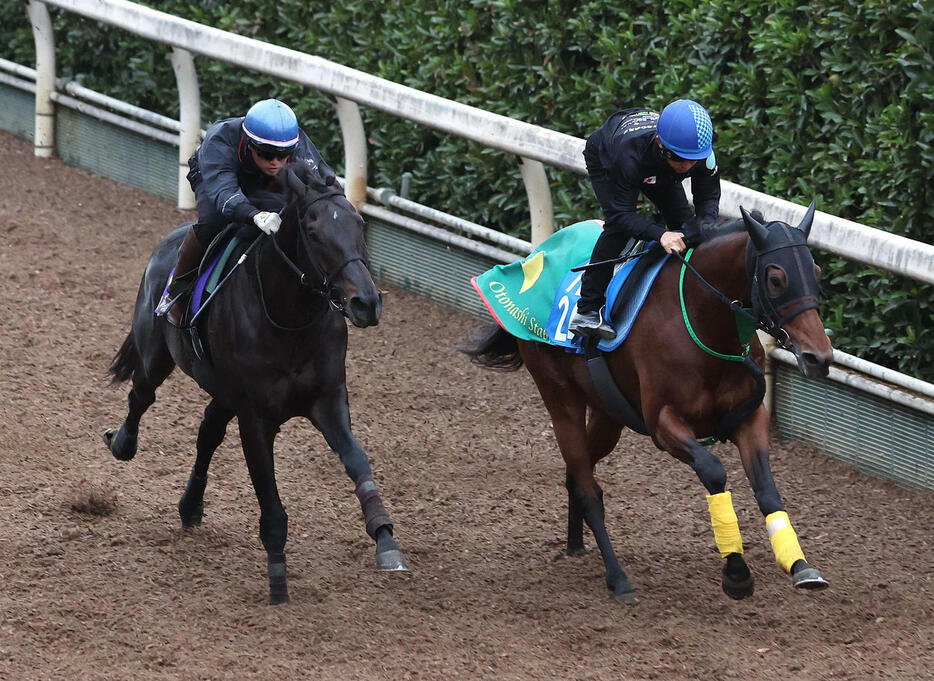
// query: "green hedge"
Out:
[831,100]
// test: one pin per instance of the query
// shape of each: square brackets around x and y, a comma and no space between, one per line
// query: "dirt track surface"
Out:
[99,581]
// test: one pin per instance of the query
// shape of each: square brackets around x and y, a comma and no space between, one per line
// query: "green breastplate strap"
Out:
[745,328]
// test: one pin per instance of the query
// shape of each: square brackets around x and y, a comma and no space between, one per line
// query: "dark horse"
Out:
[683,392]
[275,346]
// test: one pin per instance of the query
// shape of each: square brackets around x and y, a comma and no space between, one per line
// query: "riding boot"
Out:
[591,317]
[591,324]
[186,270]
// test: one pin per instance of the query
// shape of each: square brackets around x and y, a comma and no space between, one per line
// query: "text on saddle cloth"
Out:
[534,299]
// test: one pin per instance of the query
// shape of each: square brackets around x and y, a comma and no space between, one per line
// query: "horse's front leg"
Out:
[751,439]
[674,436]
[331,415]
[257,437]
[210,435]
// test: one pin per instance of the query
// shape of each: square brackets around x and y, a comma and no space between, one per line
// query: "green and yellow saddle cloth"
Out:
[534,299]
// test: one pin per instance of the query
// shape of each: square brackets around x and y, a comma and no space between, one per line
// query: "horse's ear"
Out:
[756,229]
[294,182]
[805,224]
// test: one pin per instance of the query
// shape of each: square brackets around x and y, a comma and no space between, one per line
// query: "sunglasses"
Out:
[672,156]
[267,155]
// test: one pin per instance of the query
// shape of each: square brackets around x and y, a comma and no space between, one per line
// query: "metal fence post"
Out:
[541,209]
[189,114]
[768,344]
[44,38]
[348,113]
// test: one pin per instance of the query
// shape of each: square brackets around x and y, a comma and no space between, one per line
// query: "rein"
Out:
[765,325]
[741,412]
[734,305]
[323,287]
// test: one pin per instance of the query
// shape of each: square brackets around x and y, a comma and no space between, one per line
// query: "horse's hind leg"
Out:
[146,378]
[567,418]
[210,435]
[602,436]
[674,436]
[331,415]
[752,441]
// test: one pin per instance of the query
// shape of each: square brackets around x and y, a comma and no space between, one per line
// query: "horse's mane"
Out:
[726,228]
[296,178]
[305,176]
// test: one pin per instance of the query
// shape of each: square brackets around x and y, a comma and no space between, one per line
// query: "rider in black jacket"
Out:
[237,157]
[639,151]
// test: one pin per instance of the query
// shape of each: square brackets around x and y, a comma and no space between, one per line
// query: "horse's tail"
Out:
[126,361]
[495,349]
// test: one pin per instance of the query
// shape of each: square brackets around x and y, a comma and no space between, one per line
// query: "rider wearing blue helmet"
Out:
[639,151]
[238,156]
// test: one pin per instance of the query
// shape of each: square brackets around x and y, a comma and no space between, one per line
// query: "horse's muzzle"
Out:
[364,310]
[813,365]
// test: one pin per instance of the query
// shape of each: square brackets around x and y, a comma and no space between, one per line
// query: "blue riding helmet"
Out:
[684,127]
[271,126]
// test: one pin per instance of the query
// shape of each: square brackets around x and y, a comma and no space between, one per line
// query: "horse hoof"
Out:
[121,445]
[278,597]
[190,517]
[622,589]
[391,561]
[738,590]
[626,596]
[278,582]
[810,579]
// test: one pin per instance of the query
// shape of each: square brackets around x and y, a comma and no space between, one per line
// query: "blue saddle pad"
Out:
[568,294]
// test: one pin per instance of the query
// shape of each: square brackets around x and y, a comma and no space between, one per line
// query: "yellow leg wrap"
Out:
[784,540]
[725,527]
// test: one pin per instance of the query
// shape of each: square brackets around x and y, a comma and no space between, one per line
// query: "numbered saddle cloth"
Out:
[533,299]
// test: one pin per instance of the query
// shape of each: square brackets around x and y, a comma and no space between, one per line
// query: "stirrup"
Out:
[167,303]
[591,324]
[182,284]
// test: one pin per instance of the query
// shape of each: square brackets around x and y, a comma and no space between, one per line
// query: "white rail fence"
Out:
[534,145]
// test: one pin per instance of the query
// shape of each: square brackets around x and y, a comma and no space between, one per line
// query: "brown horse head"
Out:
[784,289]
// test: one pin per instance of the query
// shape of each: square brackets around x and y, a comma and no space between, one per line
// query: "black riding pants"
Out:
[671,201]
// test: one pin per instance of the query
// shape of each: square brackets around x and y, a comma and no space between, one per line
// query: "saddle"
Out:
[219,259]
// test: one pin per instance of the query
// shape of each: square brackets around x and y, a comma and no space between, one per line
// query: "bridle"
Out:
[321,281]
[770,315]
[790,253]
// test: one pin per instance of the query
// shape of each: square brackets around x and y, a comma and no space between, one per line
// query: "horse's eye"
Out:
[775,282]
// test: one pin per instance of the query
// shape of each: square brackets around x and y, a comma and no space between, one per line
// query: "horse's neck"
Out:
[722,262]
[287,301]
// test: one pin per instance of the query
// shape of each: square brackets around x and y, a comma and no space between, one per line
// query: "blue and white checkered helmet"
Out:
[271,125]
[685,128]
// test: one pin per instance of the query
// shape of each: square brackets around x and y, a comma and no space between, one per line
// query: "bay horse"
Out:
[674,371]
[275,348]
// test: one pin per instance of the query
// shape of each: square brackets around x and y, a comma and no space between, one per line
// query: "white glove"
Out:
[268,222]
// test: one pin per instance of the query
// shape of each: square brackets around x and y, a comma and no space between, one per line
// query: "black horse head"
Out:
[330,249]
[784,286]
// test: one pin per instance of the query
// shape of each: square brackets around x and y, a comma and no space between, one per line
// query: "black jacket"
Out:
[223,172]
[624,148]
